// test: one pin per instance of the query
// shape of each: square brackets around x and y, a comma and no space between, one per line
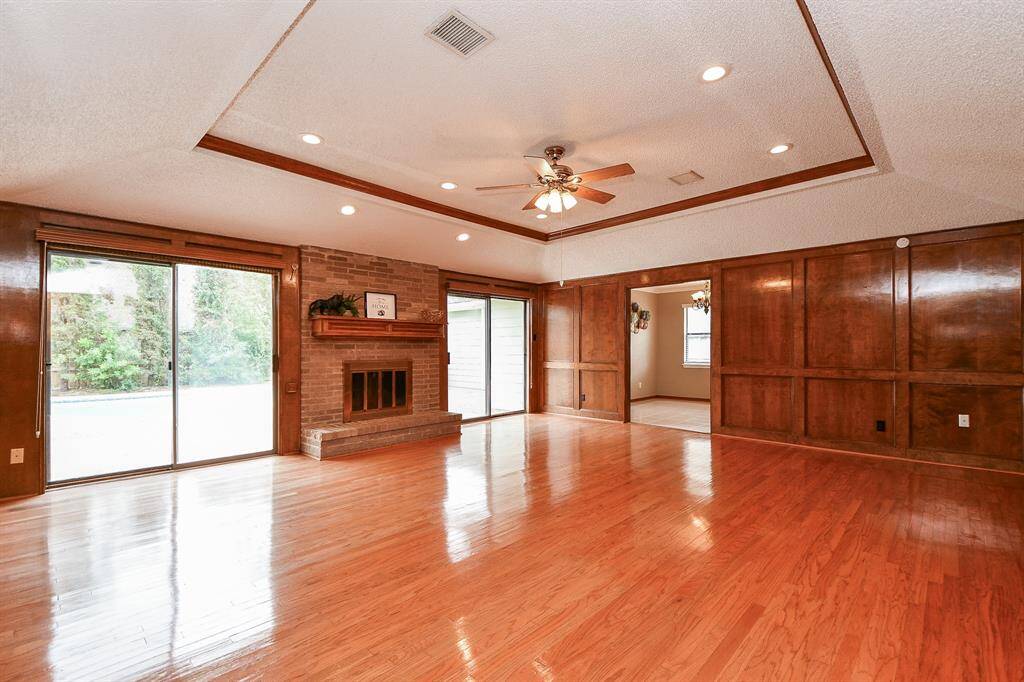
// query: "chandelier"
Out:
[702,299]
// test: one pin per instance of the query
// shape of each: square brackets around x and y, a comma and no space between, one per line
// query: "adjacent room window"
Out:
[696,337]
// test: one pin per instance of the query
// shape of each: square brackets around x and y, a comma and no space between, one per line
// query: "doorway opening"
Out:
[487,355]
[155,365]
[670,356]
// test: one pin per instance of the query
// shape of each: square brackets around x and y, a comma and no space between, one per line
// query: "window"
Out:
[696,337]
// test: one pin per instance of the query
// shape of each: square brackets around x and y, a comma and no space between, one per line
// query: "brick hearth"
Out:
[342,438]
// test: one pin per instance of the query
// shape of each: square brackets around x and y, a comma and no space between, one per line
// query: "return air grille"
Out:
[459,34]
[687,178]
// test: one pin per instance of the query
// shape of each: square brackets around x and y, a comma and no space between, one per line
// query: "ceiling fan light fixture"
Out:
[568,200]
[542,202]
[554,201]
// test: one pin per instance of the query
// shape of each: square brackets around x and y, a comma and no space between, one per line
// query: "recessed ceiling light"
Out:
[310,138]
[780,148]
[714,73]
[347,209]
[542,216]
[448,184]
[463,237]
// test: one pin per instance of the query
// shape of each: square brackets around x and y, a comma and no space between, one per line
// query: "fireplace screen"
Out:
[377,388]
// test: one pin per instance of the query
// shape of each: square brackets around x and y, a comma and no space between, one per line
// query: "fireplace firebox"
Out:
[377,388]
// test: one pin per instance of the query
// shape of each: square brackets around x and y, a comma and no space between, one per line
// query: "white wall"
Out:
[643,357]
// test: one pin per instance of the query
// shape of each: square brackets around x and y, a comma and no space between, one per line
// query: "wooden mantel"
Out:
[363,327]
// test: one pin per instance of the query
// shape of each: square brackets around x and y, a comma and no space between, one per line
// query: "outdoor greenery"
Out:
[230,341]
[100,341]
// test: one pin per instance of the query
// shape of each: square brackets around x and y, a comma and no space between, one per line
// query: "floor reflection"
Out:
[486,477]
[169,577]
[697,470]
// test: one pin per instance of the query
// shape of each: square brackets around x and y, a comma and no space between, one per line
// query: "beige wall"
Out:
[656,353]
[673,378]
[643,350]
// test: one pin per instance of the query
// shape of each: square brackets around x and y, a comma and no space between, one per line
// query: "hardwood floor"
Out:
[676,413]
[538,547]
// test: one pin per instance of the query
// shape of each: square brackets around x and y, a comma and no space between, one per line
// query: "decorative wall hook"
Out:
[638,318]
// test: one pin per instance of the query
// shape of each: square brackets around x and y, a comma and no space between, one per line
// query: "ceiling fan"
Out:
[560,185]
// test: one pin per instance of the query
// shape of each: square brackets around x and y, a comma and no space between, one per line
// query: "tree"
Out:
[151,307]
[108,360]
[231,339]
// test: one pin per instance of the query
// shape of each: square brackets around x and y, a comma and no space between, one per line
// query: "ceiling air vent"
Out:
[686,178]
[459,34]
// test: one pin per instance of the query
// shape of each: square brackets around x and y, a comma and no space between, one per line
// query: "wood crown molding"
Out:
[265,158]
[280,162]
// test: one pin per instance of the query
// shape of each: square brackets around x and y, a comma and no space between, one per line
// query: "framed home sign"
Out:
[381,306]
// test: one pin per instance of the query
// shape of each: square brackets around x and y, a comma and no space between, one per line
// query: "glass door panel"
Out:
[508,355]
[467,356]
[225,347]
[109,382]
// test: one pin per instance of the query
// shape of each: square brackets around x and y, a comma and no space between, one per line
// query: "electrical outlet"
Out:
[17,455]
[639,384]
[964,420]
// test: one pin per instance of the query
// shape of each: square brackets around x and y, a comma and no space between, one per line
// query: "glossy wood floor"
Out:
[675,413]
[539,547]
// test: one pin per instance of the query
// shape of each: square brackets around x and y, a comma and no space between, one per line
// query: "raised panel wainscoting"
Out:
[583,362]
[865,346]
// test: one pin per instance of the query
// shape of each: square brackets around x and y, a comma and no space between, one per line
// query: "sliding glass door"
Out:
[225,348]
[151,365]
[508,355]
[486,355]
[110,401]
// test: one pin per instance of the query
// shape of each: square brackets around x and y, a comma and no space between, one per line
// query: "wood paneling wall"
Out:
[19,350]
[584,361]
[865,346]
[22,228]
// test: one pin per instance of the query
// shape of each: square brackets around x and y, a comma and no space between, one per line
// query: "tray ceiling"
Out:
[397,109]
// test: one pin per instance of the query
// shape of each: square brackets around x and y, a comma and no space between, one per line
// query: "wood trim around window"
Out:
[460,282]
[116,237]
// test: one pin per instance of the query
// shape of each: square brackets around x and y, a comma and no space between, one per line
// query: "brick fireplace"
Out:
[332,367]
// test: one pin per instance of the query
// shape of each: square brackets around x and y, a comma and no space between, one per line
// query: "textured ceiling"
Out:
[102,103]
[400,110]
[86,83]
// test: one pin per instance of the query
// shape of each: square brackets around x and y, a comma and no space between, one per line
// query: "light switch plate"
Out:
[964,420]
[17,455]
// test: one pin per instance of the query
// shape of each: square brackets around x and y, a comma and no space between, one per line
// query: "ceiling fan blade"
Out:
[540,166]
[521,185]
[607,172]
[529,204]
[594,195]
